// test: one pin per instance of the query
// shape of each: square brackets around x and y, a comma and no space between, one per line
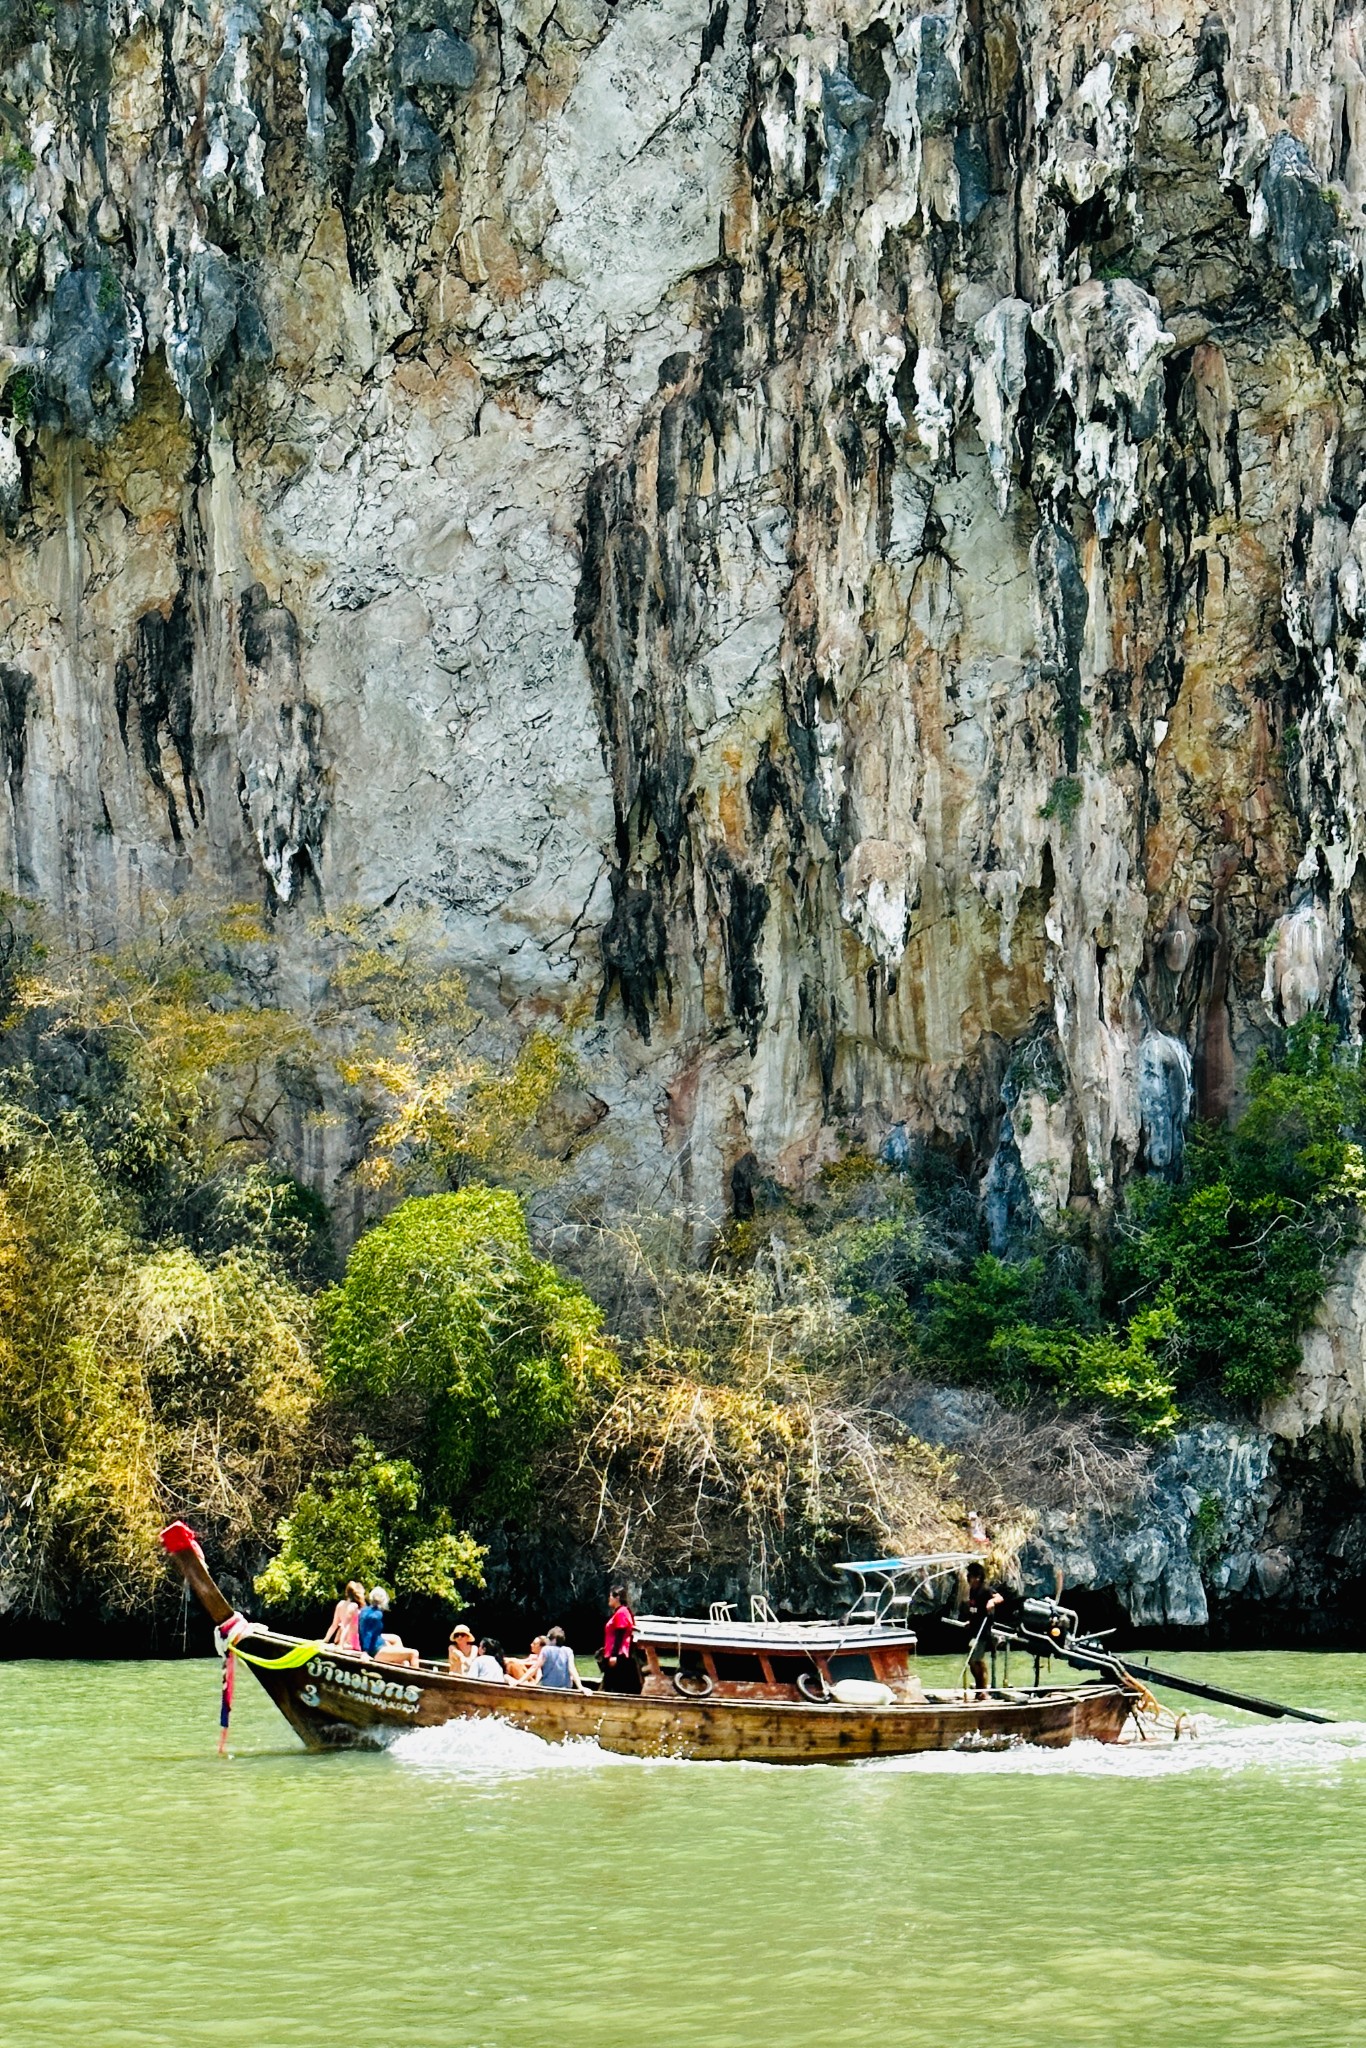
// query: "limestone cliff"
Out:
[839,531]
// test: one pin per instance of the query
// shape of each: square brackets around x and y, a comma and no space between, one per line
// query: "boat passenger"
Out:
[461,1657]
[983,1601]
[558,1670]
[375,1640]
[527,1670]
[342,1629]
[490,1663]
[620,1672]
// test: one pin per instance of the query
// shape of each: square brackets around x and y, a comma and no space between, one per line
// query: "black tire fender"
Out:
[694,1685]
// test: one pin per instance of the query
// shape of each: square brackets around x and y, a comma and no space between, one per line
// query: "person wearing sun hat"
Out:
[462,1650]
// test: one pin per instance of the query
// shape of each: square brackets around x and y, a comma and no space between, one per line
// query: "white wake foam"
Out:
[482,1750]
[1216,1745]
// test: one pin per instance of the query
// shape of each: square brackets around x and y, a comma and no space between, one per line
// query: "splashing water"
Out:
[489,1749]
[1215,1745]
[494,1749]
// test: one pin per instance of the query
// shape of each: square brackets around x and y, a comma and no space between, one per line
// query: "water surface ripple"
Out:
[475,1888]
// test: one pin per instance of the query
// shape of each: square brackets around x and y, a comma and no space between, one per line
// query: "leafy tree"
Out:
[474,1350]
[970,1314]
[1123,1369]
[136,1382]
[1240,1251]
[1006,1324]
[368,1523]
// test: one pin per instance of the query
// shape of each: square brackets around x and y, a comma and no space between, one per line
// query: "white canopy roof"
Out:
[673,1631]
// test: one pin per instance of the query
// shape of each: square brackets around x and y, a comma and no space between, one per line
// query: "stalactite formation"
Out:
[840,531]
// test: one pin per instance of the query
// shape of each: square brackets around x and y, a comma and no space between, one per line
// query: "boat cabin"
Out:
[724,1658]
[768,1659]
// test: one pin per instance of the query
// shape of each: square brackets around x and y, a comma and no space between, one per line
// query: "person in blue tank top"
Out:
[558,1668]
[370,1622]
[375,1640]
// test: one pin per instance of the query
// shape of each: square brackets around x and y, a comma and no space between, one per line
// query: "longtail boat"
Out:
[722,1690]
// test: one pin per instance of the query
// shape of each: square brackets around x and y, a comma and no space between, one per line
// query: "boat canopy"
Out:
[890,1588]
[798,1638]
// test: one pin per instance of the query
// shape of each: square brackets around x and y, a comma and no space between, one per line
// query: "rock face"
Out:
[1200,1528]
[1250,1531]
[839,531]
[836,531]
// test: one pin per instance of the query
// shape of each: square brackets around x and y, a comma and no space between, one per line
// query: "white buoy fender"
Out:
[861,1692]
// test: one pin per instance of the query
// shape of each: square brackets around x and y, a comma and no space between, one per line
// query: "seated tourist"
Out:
[558,1669]
[462,1651]
[374,1639]
[528,1669]
[490,1663]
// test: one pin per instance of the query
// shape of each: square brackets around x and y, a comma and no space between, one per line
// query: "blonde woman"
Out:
[342,1629]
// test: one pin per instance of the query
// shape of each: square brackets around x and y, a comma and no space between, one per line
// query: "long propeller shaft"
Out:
[1144,1674]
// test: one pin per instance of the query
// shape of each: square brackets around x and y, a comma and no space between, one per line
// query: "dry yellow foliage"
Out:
[135,1384]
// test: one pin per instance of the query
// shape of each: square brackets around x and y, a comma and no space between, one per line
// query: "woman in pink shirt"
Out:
[342,1629]
[620,1672]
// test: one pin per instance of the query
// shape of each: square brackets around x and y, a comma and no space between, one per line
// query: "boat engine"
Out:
[1047,1618]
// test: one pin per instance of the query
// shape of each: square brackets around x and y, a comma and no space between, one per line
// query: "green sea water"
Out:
[476,1889]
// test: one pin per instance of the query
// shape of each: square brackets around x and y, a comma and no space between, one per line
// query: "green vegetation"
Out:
[991,1325]
[1241,1249]
[368,1523]
[1064,799]
[17,399]
[479,1353]
[164,1345]
[1207,1528]
[134,1377]
[1205,1286]
[176,1338]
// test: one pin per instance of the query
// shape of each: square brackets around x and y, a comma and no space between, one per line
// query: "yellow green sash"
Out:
[291,1660]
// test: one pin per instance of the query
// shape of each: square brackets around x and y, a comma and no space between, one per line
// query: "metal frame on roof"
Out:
[889,1588]
[878,1616]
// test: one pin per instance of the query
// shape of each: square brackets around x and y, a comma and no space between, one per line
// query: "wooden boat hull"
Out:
[340,1699]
